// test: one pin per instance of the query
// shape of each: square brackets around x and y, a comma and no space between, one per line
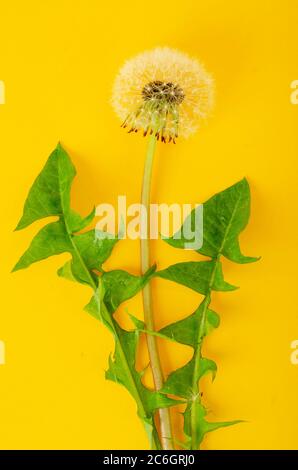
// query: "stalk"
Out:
[164,414]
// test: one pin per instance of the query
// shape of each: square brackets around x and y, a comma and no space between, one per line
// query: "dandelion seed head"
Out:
[163,91]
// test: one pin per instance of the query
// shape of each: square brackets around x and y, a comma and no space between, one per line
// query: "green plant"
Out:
[50,196]
[225,216]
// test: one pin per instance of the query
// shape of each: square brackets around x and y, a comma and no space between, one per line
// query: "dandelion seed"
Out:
[163,92]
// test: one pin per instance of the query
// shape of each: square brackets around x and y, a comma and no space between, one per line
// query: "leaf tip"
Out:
[21,224]
[250,259]
[59,146]
[244,182]
[139,325]
[228,287]
[17,267]
[151,271]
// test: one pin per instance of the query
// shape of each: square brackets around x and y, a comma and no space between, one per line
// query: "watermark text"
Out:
[182,222]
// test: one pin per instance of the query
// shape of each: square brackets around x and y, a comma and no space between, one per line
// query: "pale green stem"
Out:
[164,414]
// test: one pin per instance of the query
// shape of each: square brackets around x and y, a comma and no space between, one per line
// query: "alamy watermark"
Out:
[294,344]
[2,344]
[294,93]
[294,353]
[2,352]
[2,92]
[182,222]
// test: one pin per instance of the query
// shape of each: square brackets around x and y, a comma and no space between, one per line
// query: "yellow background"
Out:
[58,60]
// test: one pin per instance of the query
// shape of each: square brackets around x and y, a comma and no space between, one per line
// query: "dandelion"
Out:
[163,92]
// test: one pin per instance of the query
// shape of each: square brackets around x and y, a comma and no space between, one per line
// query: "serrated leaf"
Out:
[66,272]
[183,382]
[225,216]
[51,240]
[187,330]
[50,193]
[120,286]
[80,223]
[50,196]
[196,426]
[200,276]
[122,364]
[124,359]
[114,288]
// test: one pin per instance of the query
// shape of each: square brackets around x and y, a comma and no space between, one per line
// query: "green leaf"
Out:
[225,216]
[66,272]
[50,196]
[201,276]
[196,413]
[180,382]
[120,286]
[50,193]
[122,364]
[183,382]
[122,369]
[187,330]
[114,288]
[51,240]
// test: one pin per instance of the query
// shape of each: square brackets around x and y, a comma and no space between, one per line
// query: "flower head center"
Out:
[163,92]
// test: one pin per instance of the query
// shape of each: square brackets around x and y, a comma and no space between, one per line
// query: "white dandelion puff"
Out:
[163,92]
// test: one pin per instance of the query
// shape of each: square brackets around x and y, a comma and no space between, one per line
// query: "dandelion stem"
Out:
[164,414]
